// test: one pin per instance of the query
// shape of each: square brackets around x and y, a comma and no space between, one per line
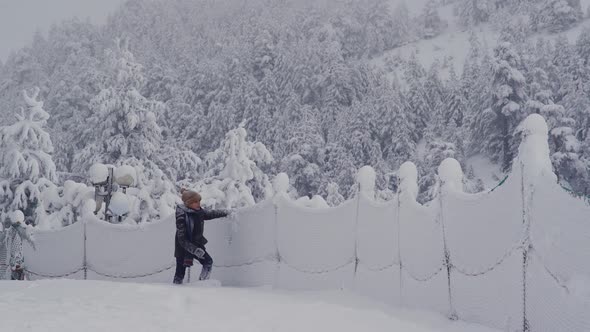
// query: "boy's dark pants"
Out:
[206,262]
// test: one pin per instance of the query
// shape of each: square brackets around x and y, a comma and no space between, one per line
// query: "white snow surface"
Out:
[18,216]
[68,305]
[125,175]
[98,173]
[119,204]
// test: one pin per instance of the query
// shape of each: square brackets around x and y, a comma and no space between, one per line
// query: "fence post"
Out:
[85,262]
[356,236]
[276,242]
[447,255]
[399,246]
[525,249]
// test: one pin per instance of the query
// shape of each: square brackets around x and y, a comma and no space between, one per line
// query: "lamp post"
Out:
[106,181]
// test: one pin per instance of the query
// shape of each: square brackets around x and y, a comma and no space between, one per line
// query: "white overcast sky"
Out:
[19,19]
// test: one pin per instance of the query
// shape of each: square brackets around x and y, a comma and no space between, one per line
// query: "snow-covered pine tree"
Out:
[474,12]
[333,197]
[26,166]
[233,176]
[433,24]
[497,124]
[416,97]
[123,124]
[303,148]
[379,24]
[402,32]
[556,15]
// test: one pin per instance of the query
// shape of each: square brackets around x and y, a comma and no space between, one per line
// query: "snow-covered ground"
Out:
[68,305]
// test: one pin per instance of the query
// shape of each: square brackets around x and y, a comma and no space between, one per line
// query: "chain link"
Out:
[53,276]
[379,269]
[465,272]
[334,269]
[551,274]
[169,267]
[429,277]
[248,263]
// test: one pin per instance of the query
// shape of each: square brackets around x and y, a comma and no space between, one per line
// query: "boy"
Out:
[190,242]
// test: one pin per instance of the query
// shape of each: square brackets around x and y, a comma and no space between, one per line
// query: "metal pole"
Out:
[85,259]
[452,313]
[107,215]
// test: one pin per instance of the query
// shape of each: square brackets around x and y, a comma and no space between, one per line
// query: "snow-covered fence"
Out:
[517,258]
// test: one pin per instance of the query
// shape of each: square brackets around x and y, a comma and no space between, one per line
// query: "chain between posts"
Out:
[499,262]
[169,267]
[379,269]
[53,276]
[339,267]
[429,277]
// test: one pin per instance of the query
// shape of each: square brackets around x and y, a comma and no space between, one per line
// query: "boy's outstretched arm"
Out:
[214,214]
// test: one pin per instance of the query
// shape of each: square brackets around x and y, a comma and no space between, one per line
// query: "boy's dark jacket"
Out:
[190,225]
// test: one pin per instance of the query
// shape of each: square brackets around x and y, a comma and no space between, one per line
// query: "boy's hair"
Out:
[189,197]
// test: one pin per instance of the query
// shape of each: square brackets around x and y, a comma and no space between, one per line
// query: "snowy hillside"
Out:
[451,47]
[92,306]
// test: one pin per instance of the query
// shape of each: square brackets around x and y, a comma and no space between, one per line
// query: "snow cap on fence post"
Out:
[366,179]
[451,174]
[533,151]
[408,180]
[281,184]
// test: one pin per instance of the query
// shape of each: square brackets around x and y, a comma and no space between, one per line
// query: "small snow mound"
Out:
[408,178]
[316,202]
[119,204]
[451,174]
[98,173]
[125,175]
[579,286]
[211,283]
[366,180]
[281,183]
[17,216]
[534,124]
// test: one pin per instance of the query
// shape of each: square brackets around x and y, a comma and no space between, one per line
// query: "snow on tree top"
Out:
[98,173]
[17,216]
[451,174]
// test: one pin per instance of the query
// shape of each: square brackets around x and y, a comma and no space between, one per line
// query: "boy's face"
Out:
[195,205]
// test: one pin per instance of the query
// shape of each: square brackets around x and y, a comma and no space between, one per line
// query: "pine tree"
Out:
[557,15]
[233,175]
[303,149]
[402,31]
[474,12]
[508,97]
[380,24]
[433,24]
[123,124]
[26,166]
